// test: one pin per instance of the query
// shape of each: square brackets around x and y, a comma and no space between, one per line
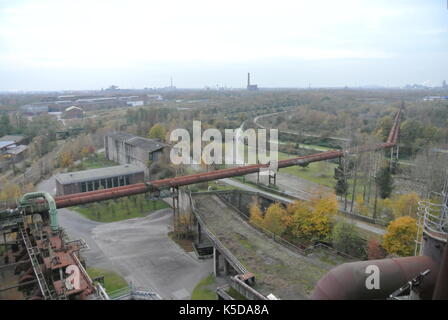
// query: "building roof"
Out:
[95,174]
[150,145]
[73,108]
[15,138]
[16,150]
[4,144]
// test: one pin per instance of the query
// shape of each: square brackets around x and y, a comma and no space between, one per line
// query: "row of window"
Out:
[105,183]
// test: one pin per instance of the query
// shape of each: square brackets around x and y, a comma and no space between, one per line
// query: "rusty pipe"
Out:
[348,281]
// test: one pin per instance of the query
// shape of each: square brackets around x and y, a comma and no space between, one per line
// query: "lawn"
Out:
[204,290]
[120,209]
[112,280]
[321,172]
[95,162]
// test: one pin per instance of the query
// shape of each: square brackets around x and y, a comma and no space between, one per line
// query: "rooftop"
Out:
[94,174]
[149,145]
[14,138]
[73,108]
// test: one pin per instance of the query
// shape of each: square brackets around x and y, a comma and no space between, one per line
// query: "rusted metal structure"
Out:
[39,260]
[348,281]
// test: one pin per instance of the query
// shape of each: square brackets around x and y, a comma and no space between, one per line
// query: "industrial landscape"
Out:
[132,225]
[126,175]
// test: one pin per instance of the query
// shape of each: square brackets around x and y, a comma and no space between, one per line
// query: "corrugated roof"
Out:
[95,174]
[17,150]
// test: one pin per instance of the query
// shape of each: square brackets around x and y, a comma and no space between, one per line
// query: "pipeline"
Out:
[348,281]
[24,201]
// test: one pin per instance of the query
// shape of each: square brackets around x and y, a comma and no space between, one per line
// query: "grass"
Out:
[235,294]
[99,161]
[112,280]
[204,291]
[319,172]
[120,209]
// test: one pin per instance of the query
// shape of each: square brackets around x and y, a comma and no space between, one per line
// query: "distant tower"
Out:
[444,85]
[251,87]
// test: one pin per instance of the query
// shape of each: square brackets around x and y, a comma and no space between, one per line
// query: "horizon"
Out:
[62,46]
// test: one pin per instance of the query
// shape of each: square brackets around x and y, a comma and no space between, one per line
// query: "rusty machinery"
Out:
[41,259]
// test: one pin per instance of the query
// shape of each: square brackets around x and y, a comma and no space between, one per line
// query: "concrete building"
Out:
[73,112]
[94,179]
[126,148]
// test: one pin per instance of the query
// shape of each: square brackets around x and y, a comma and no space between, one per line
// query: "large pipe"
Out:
[348,281]
[51,206]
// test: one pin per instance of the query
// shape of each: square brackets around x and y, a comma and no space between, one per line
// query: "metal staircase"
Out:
[33,253]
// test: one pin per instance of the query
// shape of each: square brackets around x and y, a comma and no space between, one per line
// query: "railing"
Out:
[433,219]
[221,248]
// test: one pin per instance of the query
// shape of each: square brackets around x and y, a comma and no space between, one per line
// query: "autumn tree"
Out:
[158,131]
[274,219]
[311,220]
[400,236]
[66,159]
[256,215]
[374,250]
[404,205]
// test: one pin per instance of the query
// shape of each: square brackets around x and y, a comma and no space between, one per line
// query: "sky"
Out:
[84,44]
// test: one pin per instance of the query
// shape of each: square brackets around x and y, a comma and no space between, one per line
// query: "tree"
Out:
[311,220]
[341,186]
[404,205]
[158,131]
[400,236]
[256,215]
[274,219]
[374,250]
[66,159]
[346,239]
[384,182]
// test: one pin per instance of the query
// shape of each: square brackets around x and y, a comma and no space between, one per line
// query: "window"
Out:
[83,186]
[126,180]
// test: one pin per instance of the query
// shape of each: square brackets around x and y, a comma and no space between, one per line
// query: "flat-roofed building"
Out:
[126,148]
[95,179]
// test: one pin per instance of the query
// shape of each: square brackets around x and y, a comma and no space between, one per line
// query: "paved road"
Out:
[138,249]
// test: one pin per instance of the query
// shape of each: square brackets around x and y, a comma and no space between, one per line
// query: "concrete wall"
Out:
[124,153]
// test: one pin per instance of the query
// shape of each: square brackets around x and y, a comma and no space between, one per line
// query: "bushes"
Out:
[346,239]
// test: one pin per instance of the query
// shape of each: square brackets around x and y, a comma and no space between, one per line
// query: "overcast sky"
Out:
[61,45]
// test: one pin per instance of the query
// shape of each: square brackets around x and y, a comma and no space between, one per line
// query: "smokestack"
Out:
[248,79]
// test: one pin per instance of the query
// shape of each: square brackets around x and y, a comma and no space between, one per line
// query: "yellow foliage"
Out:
[312,220]
[10,191]
[256,216]
[360,205]
[274,218]
[400,236]
[66,159]
[404,205]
